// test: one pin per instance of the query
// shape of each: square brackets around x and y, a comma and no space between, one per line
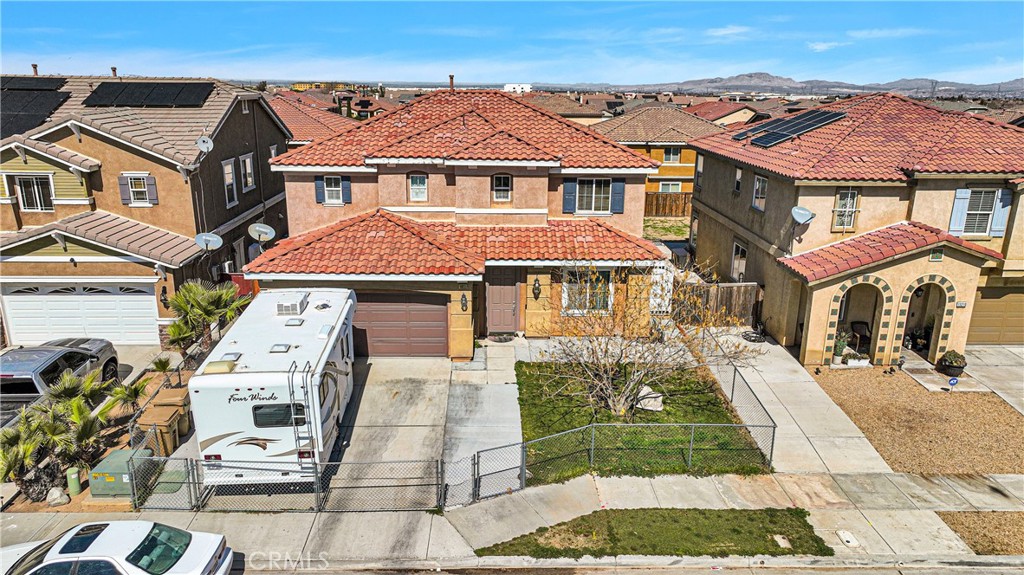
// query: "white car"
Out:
[121,548]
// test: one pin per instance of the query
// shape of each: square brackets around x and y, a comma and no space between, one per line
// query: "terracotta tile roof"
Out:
[117,232]
[310,98]
[715,110]
[656,124]
[882,138]
[307,123]
[377,242]
[443,123]
[874,247]
[564,105]
[381,242]
[502,146]
[53,150]
[370,105]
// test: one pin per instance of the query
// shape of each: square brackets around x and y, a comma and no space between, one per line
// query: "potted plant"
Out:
[855,359]
[952,363]
[839,346]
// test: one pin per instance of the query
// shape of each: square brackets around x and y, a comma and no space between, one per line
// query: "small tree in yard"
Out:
[613,350]
[181,336]
[201,304]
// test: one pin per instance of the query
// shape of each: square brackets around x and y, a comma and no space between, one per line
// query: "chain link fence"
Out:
[164,483]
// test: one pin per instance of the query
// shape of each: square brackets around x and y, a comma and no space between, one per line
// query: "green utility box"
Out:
[110,478]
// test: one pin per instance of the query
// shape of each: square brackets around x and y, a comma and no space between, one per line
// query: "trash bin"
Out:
[165,420]
[176,397]
[74,483]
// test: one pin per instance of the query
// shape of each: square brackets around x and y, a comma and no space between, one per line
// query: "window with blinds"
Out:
[979,211]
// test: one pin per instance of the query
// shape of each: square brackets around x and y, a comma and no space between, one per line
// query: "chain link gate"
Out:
[164,483]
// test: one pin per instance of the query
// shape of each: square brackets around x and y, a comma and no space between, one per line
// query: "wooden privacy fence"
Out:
[728,300]
[667,205]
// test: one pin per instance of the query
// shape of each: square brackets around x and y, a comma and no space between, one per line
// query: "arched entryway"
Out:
[863,306]
[926,313]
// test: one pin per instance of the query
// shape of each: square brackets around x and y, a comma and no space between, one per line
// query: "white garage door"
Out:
[124,314]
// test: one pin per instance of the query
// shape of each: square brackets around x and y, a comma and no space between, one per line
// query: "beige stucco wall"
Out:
[304,214]
[879,206]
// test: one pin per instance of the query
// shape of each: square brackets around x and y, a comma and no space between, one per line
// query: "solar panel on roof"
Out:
[45,102]
[795,126]
[104,94]
[194,94]
[758,129]
[134,94]
[32,83]
[163,94]
[770,139]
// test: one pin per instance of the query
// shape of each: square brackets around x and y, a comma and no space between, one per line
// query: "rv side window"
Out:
[278,415]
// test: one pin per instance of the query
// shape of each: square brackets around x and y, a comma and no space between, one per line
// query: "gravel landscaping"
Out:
[920,431]
[989,532]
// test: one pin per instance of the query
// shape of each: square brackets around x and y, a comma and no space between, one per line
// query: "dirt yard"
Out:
[989,532]
[919,431]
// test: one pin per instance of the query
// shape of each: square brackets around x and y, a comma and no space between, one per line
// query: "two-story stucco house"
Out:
[101,201]
[910,230]
[462,213]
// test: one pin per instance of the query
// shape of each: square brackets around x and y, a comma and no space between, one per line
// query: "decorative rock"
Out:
[56,497]
[649,400]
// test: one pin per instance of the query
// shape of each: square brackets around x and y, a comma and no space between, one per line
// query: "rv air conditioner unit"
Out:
[293,303]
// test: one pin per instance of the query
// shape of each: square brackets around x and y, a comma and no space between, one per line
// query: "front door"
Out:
[502,299]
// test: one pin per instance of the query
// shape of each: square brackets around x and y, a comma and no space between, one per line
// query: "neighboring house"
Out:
[518,88]
[364,107]
[723,113]
[100,205]
[661,133]
[568,108]
[307,123]
[463,213]
[918,226]
[775,107]
[313,99]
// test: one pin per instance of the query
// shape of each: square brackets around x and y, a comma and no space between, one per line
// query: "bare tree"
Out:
[628,332]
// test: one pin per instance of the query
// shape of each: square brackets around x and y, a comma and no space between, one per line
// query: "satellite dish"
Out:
[262,232]
[205,144]
[801,215]
[209,242]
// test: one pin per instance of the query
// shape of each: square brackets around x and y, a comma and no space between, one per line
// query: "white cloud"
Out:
[825,46]
[731,30]
[877,33]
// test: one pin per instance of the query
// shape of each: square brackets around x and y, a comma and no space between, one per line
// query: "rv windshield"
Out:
[278,415]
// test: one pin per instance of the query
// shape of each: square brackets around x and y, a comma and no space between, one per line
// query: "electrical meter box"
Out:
[110,478]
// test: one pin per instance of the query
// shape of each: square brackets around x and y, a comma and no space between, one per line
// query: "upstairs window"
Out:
[36,194]
[418,188]
[672,155]
[230,192]
[738,184]
[698,171]
[979,211]
[332,190]
[670,187]
[739,261]
[760,193]
[138,193]
[248,174]
[845,213]
[594,195]
[501,186]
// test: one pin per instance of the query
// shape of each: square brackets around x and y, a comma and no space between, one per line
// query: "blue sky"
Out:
[616,42]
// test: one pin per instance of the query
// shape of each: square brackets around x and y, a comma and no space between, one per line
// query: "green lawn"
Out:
[678,532]
[639,451]
[667,229]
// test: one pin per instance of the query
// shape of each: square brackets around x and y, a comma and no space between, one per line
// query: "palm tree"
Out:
[201,304]
[86,430]
[22,449]
[181,336]
[162,365]
[129,396]
[69,386]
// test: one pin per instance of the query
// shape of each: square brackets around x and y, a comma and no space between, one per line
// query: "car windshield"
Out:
[160,550]
[33,558]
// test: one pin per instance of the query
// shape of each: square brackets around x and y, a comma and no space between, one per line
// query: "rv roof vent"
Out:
[325,331]
[292,303]
[231,356]
[294,322]
[280,348]
[220,367]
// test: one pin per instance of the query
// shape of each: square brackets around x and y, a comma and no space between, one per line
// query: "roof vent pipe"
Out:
[451,82]
[113,71]
[35,69]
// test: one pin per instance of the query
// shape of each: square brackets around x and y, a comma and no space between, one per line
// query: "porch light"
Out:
[919,292]
[163,298]
[465,302]
[536,288]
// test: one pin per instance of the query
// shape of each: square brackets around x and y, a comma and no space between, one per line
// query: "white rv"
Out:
[269,400]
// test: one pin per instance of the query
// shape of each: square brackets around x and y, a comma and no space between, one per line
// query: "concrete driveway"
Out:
[1001,369]
[397,411]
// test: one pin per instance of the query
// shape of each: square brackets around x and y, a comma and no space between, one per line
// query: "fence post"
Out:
[771,448]
[476,477]
[522,466]
[689,458]
[318,501]
[732,392]
[131,481]
[442,487]
[593,431]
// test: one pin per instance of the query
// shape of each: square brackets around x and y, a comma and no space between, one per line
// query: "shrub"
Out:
[954,359]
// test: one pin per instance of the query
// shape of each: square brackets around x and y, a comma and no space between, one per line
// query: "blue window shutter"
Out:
[959,217]
[318,184]
[1001,213]
[569,196]
[151,190]
[618,195]
[346,190]
[122,187]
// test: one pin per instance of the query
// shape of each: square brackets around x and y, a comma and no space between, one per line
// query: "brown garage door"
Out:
[401,324]
[998,316]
